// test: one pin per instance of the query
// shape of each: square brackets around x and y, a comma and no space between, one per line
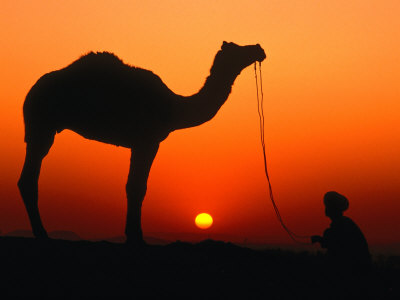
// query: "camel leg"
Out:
[28,181]
[141,160]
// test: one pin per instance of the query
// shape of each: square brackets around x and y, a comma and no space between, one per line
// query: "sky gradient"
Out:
[332,111]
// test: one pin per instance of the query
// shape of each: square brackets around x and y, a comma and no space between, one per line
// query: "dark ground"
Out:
[209,269]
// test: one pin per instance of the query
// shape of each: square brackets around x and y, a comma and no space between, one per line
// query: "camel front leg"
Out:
[141,160]
[36,150]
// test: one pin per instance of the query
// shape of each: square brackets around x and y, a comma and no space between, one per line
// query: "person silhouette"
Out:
[347,248]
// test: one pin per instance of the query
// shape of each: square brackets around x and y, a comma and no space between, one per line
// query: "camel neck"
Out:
[203,106]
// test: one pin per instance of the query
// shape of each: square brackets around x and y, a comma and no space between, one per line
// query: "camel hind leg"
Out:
[36,149]
[141,160]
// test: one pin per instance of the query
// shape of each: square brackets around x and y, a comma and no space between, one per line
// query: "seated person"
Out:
[345,243]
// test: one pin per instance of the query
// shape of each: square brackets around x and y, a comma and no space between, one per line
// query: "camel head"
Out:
[233,58]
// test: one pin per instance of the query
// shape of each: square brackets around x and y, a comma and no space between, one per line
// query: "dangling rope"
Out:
[260,109]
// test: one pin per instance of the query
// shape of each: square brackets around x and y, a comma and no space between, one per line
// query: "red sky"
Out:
[331,85]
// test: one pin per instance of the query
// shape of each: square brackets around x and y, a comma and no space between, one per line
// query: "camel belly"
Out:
[127,135]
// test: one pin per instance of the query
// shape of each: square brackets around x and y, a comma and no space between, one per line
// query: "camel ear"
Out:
[224,44]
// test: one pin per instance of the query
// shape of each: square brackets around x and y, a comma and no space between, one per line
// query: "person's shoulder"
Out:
[348,222]
[350,225]
[347,219]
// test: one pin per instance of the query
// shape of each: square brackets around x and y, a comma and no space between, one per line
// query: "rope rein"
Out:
[260,110]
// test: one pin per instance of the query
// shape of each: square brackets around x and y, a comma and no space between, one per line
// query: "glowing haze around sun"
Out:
[203,221]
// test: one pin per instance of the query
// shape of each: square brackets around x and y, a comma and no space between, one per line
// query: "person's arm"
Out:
[316,239]
[326,238]
[323,240]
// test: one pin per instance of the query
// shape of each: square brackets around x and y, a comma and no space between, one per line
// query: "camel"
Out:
[103,99]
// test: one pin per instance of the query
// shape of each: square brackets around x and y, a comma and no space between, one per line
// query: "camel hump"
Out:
[96,59]
[97,65]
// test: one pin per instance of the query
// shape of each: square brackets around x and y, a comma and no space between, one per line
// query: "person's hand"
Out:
[316,239]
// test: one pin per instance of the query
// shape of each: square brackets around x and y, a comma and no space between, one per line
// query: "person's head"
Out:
[335,204]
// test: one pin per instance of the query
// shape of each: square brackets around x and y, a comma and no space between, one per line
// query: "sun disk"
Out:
[203,221]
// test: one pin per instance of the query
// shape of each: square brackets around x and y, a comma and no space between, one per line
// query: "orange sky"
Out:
[331,84]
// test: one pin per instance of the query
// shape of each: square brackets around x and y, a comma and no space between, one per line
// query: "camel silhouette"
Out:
[103,99]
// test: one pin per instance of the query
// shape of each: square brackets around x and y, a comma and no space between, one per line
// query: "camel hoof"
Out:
[135,243]
[41,236]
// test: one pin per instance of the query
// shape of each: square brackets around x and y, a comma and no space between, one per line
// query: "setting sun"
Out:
[203,221]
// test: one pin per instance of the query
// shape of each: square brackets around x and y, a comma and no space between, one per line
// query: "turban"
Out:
[336,201]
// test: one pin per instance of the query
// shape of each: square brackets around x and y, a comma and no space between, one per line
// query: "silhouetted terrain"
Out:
[208,269]
[57,234]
